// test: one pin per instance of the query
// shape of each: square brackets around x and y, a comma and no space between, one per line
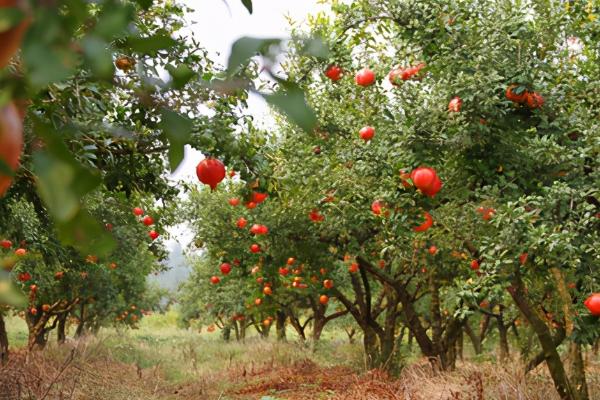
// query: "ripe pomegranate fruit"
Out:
[33,311]
[46,307]
[376,207]
[153,235]
[11,38]
[211,172]
[20,252]
[433,250]
[523,258]
[327,283]
[323,299]
[255,248]
[258,229]
[425,225]
[534,100]
[423,177]
[512,95]
[258,301]
[593,304]
[214,280]
[112,266]
[353,268]
[241,222]
[125,63]
[455,104]
[138,211]
[250,205]
[365,77]
[367,133]
[225,268]
[435,187]
[267,291]
[11,138]
[334,72]
[315,216]
[148,220]
[24,277]
[234,202]
[258,197]
[474,265]
[283,271]
[291,261]
[7,244]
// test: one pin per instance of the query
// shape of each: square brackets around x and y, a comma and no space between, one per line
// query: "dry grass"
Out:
[170,364]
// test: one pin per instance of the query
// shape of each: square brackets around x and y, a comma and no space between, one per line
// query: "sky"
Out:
[216,24]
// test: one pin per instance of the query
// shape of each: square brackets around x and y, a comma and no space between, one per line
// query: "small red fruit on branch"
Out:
[315,216]
[425,225]
[148,220]
[225,268]
[7,244]
[258,197]
[523,258]
[353,268]
[255,248]
[432,250]
[258,229]
[426,180]
[211,172]
[138,211]
[214,280]
[241,222]
[334,72]
[365,77]
[455,104]
[234,202]
[327,283]
[267,291]
[474,265]
[399,74]
[153,235]
[367,133]
[24,277]
[593,304]
[323,299]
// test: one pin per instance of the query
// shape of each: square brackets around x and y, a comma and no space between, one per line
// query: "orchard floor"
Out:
[161,362]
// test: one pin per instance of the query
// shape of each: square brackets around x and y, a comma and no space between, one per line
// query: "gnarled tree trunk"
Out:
[3,342]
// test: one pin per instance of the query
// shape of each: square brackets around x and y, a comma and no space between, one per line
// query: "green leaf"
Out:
[151,45]
[114,20]
[291,101]
[181,75]
[86,234]
[145,4]
[245,48]
[46,64]
[177,129]
[9,18]
[248,5]
[98,56]
[62,181]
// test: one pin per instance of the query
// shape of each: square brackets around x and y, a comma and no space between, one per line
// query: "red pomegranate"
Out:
[255,248]
[214,280]
[593,304]
[425,225]
[211,172]
[534,100]
[474,265]
[242,222]
[234,202]
[225,268]
[334,72]
[138,211]
[423,177]
[153,235]
[367,133]
[455,104]
[365,77]
[7,244]
[148,220]
[11,140]
[11,38]
[258,197]
[323,299]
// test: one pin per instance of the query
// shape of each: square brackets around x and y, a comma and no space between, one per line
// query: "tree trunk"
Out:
[3,342]
[61,328]
[372,354]
[243,327]
[226,333]
[280,325]
[460,345]
[503,333]
[81,325]
[553,361]
[350,331]
[577,369]
[474,338]
[236,329]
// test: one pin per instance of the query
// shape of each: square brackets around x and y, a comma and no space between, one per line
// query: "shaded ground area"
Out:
[85,371]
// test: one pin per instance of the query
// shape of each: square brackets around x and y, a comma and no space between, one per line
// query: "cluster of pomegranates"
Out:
[521,95]
[147,220]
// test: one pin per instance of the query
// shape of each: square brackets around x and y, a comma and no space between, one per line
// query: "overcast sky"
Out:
[216,24]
